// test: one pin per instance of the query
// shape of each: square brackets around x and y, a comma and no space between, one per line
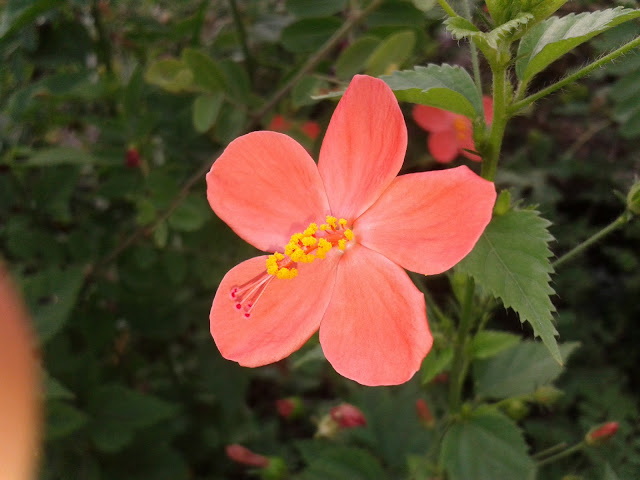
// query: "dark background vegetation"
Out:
[119,259]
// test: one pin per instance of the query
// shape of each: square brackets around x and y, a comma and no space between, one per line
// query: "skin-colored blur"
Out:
[19,391]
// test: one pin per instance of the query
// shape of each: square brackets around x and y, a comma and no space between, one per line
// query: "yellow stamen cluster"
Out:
[301,244]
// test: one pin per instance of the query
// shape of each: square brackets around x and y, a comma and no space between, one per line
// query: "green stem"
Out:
[520,105]
[617,223]
[317,57]
[500,117]
[474,52]
[549,451]
[569,451]
[447,8]
[460,364]
[248,58]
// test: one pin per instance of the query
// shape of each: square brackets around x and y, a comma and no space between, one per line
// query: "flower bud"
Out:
[348,416]
[503,203]
[311,129]
[290,407]
[424,413]
[633,199]
[132,159]
[244,456]
[276,470]
[516,408]
[601,434]
[547,395]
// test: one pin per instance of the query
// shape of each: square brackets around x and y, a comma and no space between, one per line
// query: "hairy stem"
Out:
[613,226]
[474,51]
[522,104]
[500,117]
[460,362]
[248,58]
[447,8]
[565,453]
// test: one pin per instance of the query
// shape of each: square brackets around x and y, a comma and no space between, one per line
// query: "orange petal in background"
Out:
[19,388]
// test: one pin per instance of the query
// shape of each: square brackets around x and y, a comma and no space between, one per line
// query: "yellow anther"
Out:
[342,222]
[309,241]
[342,244]
[311,229]
[332,221]
[278,256]
[286,273]
[348,234]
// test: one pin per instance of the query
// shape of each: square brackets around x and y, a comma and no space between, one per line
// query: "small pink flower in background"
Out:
[451,134]
[244,456]
[311,129]
[290,407]
[602,433]
[348,416]
[342,233]
[279,124]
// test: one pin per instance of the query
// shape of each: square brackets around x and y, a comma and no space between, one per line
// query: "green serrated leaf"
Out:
[488,42]
[54,390]
[391,53]
[504,10]
[353,59]
[62,420]
[511,261]
[489,343]
[486,446]
[441,86]
[551,39]
[118,412]
[518,371]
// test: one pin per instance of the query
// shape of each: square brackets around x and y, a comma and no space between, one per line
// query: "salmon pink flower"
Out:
[451,134]
[342,232]
[244,456]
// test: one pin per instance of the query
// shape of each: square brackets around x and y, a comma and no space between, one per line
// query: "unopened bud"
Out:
[348,416]
[244,456]
[311,129]
[601,434]
[424,413]
[276,470]
[290,407]
[516,408]
[547,395]
[503,203]
[132,157]
[633,199]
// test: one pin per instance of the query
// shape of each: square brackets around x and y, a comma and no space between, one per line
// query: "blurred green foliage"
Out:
[119,259]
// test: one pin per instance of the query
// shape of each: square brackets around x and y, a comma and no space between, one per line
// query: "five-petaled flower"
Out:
[341,232]
[451,134]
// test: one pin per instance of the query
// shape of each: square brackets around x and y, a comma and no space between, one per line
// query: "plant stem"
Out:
[500,117]
[569,451]
[520,105]
[248,58]
[104,45]
[447,8]
[549,451]
[617,223]
[474,52]
[460,364]
[314,59]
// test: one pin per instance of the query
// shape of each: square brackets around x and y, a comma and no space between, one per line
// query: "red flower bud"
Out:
[289,407]
[311,129]
[279,124]
[244,456]
[601,434]
[348,416]
[132,157]
[424,413]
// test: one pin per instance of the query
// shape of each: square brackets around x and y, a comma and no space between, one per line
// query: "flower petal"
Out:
[444,145]
[363,148]
[467,144]
[266,187]
[432,119]
[284,317]
[427,222]
[375,329]
[487,103]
